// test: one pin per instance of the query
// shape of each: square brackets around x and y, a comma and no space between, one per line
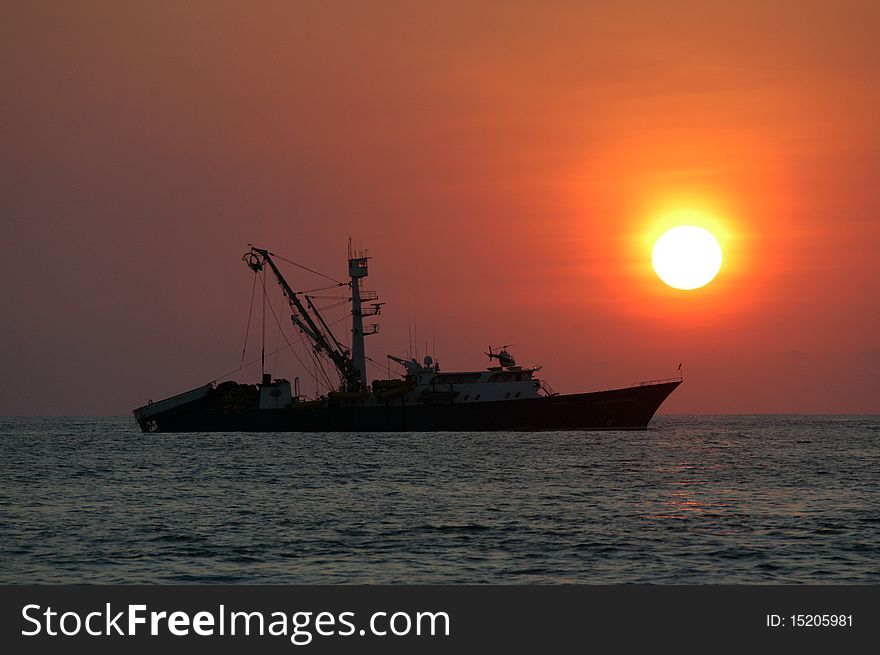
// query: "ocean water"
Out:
[694,499]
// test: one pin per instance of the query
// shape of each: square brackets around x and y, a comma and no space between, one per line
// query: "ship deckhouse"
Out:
[425,384]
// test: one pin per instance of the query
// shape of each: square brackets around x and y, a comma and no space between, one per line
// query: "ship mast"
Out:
[357,270]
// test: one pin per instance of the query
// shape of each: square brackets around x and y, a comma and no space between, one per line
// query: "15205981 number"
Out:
[821,620]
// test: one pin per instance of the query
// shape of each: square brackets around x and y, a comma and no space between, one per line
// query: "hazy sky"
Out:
[507,164]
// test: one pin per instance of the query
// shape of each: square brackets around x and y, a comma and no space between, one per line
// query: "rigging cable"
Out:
[318,362]
[277,346]
[332,286]
[319,366]
[337,284]
[282,330]
[338,303]
[383,368]
[289,344]
[317,381]
[247,329]
[263,342]
[306,268]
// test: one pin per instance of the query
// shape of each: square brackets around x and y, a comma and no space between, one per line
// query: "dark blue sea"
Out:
[694,499]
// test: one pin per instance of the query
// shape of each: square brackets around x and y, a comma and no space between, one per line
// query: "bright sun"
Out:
[687,257]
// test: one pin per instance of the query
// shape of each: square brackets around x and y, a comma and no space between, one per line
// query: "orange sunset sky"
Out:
[507,164]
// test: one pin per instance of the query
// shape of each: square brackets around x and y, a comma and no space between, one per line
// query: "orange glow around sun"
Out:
[677,283]
[686,249]
[721,182]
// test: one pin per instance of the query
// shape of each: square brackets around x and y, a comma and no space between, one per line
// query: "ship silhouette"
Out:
[503,396]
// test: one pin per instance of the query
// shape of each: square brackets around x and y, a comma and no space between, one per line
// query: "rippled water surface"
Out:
[695,499]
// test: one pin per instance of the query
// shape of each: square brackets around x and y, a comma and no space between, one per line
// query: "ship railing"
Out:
[546,388]
[647,383]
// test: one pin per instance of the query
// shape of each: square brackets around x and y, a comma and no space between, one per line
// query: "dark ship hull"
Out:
[208,410]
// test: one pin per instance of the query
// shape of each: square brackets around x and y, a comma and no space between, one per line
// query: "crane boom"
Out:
[303,320]
[327,329]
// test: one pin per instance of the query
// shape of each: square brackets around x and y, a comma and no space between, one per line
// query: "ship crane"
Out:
[412,366]
[311,323]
